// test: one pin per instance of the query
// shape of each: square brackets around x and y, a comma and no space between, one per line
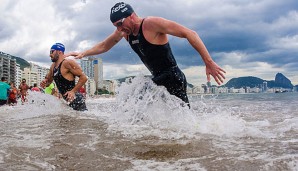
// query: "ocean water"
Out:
[144,128]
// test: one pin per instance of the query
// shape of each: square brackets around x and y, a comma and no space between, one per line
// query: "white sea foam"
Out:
[144,107]
[38,104]
[231,129]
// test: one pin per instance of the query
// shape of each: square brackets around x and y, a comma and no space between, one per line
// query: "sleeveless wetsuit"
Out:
[161,63]
[65,85]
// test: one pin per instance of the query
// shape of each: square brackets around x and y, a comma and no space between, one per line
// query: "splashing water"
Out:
[38,104]
[143,105]
[146,128]
[152,105]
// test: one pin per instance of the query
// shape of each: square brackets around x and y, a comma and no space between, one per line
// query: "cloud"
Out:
[256,38]
[115,71]
[196,75]
[35,30]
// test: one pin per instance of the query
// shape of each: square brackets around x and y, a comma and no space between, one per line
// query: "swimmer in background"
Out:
[63,72]
[50,89]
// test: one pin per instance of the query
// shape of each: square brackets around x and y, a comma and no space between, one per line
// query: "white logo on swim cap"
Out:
[115,9]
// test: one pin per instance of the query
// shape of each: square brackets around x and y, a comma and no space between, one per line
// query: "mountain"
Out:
[244,82]
[280,81]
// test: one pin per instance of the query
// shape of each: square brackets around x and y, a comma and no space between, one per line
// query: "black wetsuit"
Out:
[65,85]
[161,63]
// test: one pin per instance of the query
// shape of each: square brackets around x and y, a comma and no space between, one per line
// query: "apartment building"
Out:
[93,69]
[34,74]
[9,67]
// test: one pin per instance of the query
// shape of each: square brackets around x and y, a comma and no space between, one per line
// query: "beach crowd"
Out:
[10,94]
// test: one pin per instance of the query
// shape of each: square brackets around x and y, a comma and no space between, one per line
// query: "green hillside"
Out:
[244,82]
[256,82]
[23,63]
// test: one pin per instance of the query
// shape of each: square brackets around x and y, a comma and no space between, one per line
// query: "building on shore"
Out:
[18,75]
[90,86]
[93,68]
[9,67]
[34,74]
[109,85]
[265,86]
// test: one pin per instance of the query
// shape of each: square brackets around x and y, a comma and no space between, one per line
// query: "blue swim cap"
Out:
[58,46]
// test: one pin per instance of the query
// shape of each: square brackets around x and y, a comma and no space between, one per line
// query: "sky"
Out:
[245,37]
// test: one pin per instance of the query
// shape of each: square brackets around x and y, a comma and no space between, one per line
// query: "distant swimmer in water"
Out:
[63,72]
[148,37]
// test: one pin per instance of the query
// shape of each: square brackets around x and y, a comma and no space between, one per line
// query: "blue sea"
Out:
[143,128]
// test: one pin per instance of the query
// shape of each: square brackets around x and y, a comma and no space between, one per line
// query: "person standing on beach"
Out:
[50,89]
[63,72]
[35,88]
[13,94]
[23,90]
[82,90]
[4,89]
[148,37]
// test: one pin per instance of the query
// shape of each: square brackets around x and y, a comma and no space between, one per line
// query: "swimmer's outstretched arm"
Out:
[100,47]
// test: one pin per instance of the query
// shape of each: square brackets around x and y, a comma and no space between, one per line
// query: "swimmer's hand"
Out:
[70,96]
[77,55]
[44,83]
[217,73]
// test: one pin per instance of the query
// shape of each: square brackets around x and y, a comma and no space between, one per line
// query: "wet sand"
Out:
[64,142]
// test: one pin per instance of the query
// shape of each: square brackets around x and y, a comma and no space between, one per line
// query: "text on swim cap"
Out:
[115,9]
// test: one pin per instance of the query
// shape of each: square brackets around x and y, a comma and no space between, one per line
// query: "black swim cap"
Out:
[119,11]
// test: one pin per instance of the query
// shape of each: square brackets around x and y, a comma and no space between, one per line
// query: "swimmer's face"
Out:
[119,23]
[123,26]
[54,55]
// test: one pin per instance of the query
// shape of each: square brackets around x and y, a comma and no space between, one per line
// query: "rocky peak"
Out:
[283,81]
